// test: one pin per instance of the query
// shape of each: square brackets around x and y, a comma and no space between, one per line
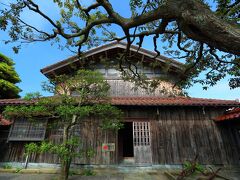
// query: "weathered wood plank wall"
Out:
[120,88]
[4,130]
[91,137]
[177,134]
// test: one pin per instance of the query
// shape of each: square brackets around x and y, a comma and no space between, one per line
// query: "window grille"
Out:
[113,72]
[141,134]
[74,93]
[26,130]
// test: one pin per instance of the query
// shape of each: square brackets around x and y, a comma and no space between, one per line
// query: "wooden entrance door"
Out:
[142,143]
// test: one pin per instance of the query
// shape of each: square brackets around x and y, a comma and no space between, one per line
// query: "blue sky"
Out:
[32,57]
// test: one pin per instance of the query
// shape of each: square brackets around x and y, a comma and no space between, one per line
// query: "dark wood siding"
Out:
[28,130]
[177,134]
[4,131]
[125,88]
[91,138]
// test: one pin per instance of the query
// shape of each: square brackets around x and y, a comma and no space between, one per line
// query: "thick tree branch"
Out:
[34,7]
[85,32]
[179,44]
[48,36]
[200,24]
[191,66]
[194,19]
[88,9]
[114,15]
[211,51]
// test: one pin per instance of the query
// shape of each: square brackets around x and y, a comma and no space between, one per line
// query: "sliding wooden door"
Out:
[142,142]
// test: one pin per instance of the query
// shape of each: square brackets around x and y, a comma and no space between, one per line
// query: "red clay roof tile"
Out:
[230,115]
[171,101]
[4,122]
[4,102]
[147,101]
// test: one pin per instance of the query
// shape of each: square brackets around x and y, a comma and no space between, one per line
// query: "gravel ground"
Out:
[129,176]
[109,174]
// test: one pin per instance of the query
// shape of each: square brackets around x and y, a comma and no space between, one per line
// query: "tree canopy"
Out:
[204,33]
[8,79]
[90,103]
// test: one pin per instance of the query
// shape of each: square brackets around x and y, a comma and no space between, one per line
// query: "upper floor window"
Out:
[26,130]
[74,93]
[112,72]
[102,71]
[109,72]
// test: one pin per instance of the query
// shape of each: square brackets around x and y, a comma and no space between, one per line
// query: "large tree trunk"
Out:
[194,18]
[65,163]
[196,21]
[199,23]
[65,166]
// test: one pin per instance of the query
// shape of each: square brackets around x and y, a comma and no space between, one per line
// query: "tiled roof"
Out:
[229,115]
[171,101]
[4,122]
[103,48]
[4,102]
[147,101]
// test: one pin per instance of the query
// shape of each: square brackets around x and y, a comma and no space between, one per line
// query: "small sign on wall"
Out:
[108,147]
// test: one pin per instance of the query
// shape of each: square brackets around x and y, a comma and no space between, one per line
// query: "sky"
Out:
[35,56]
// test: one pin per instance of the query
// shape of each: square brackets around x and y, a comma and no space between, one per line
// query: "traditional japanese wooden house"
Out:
[4,131]
[160,127]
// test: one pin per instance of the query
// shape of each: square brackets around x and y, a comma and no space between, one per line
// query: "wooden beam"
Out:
[143,57]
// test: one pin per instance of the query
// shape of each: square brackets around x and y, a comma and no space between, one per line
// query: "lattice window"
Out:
[74,93]
[26,130]
[141,133]
[113,72]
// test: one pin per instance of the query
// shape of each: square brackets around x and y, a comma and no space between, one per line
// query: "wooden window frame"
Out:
[28,130]
[141,133]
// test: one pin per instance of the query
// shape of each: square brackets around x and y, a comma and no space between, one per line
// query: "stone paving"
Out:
[129,176]
[109,174]
[11,176]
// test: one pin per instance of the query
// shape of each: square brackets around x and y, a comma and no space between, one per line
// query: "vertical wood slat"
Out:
[176,135]
[119,87]
[195,133]
[26,130]
[142,146]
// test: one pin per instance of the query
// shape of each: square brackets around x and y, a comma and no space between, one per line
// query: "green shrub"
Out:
[7,166]
[18,170]
[88,172]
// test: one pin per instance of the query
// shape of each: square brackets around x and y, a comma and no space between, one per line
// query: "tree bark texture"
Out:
[194,18]
[197,22]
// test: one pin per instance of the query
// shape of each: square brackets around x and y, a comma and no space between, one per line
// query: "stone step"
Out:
[128,160]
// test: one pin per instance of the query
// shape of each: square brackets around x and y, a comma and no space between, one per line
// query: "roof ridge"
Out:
[172,97]
[146,101]
[115,44]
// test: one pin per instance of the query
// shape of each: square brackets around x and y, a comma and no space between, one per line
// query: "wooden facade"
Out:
[153,134]
[27,130]
[170,135]
[4,131]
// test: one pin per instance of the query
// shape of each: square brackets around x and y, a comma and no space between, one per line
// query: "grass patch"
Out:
[18,170]
[88,172]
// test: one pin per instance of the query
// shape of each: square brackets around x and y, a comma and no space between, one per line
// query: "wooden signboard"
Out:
[108,147]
